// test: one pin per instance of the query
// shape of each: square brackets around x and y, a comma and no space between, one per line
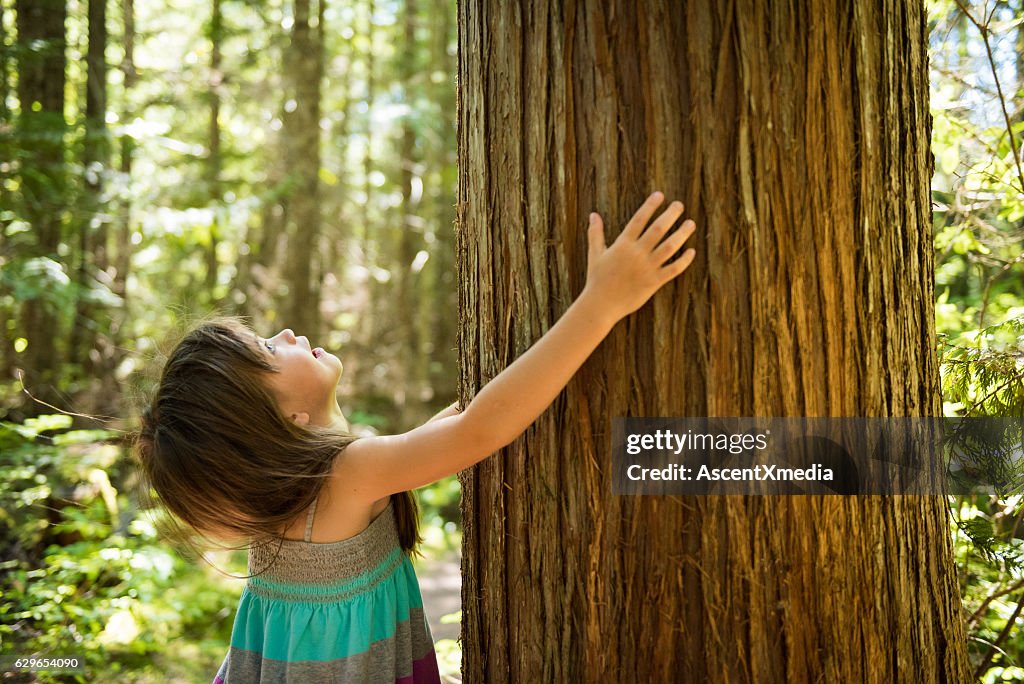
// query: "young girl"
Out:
[245,441]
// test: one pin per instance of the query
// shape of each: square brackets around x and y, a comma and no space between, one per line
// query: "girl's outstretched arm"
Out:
[620,279]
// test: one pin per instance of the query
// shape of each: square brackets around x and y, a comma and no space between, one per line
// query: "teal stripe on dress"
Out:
[332,592]
[387,661]
[294,631]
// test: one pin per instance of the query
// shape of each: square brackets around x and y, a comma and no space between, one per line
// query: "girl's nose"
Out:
[288,335]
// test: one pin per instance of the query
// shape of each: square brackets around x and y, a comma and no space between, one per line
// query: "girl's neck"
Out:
[334,418]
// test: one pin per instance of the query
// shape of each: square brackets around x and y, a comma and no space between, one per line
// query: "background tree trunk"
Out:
[90,345]
[798,137]
[41,74]
[409,238]
[372,319]
[301,138]
[214,162]
[439,321]
[340,235]
[6,151]
[123,252]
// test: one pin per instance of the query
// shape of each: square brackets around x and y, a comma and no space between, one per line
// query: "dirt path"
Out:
[441,586]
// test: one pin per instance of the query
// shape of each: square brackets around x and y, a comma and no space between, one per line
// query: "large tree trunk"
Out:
[798,137]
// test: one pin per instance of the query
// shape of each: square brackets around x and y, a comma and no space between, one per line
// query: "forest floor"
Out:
[441,586]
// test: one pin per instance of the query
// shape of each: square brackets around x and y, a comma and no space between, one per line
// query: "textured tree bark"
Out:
[798,135]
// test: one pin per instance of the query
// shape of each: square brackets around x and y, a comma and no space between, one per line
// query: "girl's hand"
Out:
[625,275]
[620,279]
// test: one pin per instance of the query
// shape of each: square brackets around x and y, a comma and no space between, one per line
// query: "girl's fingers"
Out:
[643,215]
[673,242]
[678,266]
[652,236]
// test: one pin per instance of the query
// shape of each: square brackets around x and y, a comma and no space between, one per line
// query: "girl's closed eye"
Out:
[269,345]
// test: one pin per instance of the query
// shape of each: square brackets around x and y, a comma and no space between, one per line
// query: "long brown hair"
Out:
[220,455]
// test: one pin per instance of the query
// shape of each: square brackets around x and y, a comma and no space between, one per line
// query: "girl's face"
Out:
[306,379]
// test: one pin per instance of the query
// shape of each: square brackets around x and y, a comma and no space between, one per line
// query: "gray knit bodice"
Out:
[321,572]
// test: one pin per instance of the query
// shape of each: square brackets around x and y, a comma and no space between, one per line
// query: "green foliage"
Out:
[449,656]
[983,373]
[986,571]
[978,209]
[440,520]
[86,574]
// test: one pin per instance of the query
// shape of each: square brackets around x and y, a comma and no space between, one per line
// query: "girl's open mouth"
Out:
[318,352]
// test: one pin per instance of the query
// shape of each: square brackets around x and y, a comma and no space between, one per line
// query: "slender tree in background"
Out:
[338,224]
[440,321]
[1018,64]
[41,76]
[214,162]
[5,85]
[259,268]
[301,136]
[89,344]
[798,136]
[370,323]
[410,238]
[368,166]
[97,140]
[122,254]
[7,330]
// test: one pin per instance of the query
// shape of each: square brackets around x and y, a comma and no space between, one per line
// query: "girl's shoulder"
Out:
[339,514]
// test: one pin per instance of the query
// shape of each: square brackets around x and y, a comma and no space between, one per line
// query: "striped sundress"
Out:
[347,611]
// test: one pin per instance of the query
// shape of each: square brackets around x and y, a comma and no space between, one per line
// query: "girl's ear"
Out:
[300,418]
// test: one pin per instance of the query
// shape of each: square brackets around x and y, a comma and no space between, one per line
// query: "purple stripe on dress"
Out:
[424,671]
